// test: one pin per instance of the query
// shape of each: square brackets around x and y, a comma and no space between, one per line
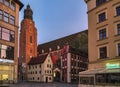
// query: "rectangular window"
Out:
[118,10]
[12,36]
[40,72]
[12,20]
[99,2]
[118,29]
[119,49]
[5,34]
[1,14]
[102,34]
[12,5]
[7,2]
[30,39]
[102,17]
[6,17]
[103,52]
[7,52]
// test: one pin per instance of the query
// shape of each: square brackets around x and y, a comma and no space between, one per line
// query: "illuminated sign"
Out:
[112,66]
[6,61]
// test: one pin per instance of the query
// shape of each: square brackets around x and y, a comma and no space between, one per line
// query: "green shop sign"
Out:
[112,66]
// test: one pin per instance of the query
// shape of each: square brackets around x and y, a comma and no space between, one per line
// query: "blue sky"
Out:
[57,18]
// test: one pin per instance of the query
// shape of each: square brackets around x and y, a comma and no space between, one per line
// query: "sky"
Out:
[55,19]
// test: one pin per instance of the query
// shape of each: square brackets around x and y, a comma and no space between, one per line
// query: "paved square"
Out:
[43,85]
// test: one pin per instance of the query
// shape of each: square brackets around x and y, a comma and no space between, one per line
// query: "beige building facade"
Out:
[103,42]
[103,33]
[40,69]
[9,24]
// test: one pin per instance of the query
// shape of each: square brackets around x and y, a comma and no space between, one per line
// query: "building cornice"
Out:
[19,3]
[86,0]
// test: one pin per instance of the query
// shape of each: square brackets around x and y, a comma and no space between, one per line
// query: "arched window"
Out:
[99,2]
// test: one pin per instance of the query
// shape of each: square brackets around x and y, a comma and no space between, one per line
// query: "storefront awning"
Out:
[98,71]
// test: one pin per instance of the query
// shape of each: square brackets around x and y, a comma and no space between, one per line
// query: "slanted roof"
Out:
[78,52]
[98,71]
[38,60]
[59,42]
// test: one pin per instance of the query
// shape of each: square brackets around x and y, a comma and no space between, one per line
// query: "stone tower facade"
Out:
[28,41]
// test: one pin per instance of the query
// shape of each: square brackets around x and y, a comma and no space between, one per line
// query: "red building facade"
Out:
[73,61]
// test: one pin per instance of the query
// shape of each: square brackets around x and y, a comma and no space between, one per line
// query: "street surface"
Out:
[42,85]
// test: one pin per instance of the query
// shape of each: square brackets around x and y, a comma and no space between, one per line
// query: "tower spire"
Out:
[28,13]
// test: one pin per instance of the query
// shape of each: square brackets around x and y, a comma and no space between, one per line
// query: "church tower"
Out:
[28,41]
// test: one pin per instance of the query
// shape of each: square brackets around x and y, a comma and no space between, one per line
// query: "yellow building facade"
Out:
[103,42]
[9,22]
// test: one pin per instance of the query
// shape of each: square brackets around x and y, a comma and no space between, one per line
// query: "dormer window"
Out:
[58,47]
[50,49]
[99,2]
[42,51]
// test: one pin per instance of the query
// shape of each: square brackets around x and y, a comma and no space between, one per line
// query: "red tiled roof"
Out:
[38,60]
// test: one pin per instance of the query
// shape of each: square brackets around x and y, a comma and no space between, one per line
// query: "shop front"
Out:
[107,77]
[6,71]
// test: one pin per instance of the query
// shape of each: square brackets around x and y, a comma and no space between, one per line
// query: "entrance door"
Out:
[46,79]
[4,76]
[57,76]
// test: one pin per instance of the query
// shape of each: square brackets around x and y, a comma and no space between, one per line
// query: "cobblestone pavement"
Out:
[43,85]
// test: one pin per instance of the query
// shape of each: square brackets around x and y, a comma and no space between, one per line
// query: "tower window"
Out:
[103,52]
[102,17]
[31,51]
[30,39]
[99,2]
[102,34]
